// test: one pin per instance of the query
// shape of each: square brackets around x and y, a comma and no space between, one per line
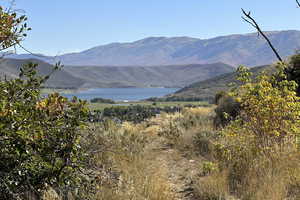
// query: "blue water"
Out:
[122,94]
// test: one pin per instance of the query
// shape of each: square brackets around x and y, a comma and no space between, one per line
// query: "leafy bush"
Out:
[13,28]
[227,110]
[102,100]
[39,140]
[293,71]
[134,114]
[258,147]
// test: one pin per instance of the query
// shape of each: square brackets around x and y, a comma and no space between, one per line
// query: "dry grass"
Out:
[213,187]
[276,177]
[131,170]
[50,194]
[138,177]
[141,176]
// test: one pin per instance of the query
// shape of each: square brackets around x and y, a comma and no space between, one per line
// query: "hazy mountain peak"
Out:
[236,49]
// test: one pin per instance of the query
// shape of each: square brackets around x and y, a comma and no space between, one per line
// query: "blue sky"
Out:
[61,26]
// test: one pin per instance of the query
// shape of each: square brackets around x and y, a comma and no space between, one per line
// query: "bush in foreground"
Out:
[257,153]
[39,140]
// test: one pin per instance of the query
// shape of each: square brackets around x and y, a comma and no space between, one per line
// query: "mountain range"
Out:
[111,76]
[10,69]
[247,49]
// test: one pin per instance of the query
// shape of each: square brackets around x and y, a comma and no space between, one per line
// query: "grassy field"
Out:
[101,106]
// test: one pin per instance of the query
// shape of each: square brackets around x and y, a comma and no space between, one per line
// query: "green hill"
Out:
[10,68]
[206,90]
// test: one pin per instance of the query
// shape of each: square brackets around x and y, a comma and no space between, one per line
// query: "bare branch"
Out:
[298,3]
[247,18]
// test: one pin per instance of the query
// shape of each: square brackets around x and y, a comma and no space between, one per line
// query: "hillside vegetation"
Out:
[207,89]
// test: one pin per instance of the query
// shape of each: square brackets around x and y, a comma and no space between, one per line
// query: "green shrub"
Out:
[227,110]
[39,137]
[102,100]
[13,28]
[256,149]
[293,71]
[136,113]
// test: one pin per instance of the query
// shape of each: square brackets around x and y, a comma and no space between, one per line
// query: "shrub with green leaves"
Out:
[292,71]
[13,28]
[39,137]
[264,135]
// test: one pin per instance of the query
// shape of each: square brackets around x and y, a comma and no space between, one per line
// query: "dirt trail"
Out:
[180,170]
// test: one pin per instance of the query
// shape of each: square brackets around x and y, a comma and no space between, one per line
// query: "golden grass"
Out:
[130,154]
[139,177]
[213,187]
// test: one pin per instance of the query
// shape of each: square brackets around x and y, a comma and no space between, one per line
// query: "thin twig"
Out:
[247,17]
[298,3]
[30,52]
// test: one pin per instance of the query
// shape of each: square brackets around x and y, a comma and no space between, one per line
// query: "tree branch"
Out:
[247,18]
[298,3]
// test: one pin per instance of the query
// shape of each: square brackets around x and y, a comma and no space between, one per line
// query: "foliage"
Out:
[209,167]
[102,100]
[134,114]
[13,28]
[270,111]
[227,110]
[39,137]
[179,98]
[263,135]
[292,71]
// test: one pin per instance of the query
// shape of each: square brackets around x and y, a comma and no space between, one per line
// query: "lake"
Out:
[122,94]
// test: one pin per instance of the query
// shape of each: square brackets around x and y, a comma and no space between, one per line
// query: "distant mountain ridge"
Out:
[110,76]
[147,76]
[246,49]
[10,68]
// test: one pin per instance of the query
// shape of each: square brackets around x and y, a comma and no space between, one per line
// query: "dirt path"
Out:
[180,171]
